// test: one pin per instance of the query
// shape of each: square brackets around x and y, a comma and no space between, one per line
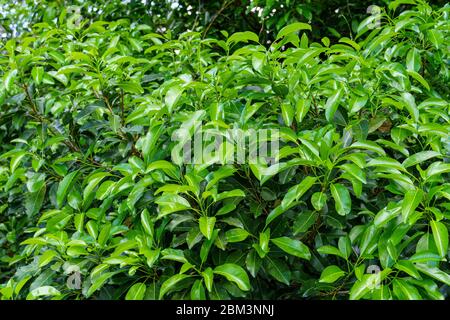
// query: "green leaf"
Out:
[242,37]
[410,104]
[93,181]
[206,225]
[331,273]
[361,287]
[345,246]
[253,262]
[131,87]
[99,282]
[236,235]
[294,193]
[171,283]
[38,74]
[354,171]
[297,191]
[43,291]
[419,79]
[46,258]
[385,163]
[368,145]
[63,188]
[304,221]
[92,229]
[413,60]
[332,104]
[234,273]
[34,201]
[287,111]
[342,198]
[318,200]
[294,27]
[435,36]
[302,107]
[198,291]
[230,194]
[279,270]
[425,256]
[404,290]
[147,223]
[408,267]
[331,250]
[264,238]
[9,78]
[208,278]
[440,235]
[174,255]
[434,272]
[136,292]
[293,247]
[410,202]
[172,97]
[104,235]
[419,158]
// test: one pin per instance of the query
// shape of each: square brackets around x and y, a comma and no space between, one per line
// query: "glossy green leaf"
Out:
[293,247]
[234,273]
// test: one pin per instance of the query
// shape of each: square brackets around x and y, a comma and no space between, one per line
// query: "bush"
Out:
[94,114]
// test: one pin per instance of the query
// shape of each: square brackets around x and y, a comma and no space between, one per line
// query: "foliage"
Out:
[90,180]
[263,17]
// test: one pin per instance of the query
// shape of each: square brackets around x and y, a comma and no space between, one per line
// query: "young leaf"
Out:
[411,201]
[136,292]
[294,27]
[440,235]
[331,273]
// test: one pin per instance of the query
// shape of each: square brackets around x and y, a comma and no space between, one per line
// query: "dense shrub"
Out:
[91,180]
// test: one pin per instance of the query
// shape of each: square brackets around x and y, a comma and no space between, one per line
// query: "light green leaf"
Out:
[198,291]
[434,272]
[318,200]
[172,97]
[410,104]
[171,283]
[410,202]
[206,225]
[46,258]
[419,158]
[331,273]
[440,235]
[368,145]
[294,27]
[136,292]
[236,235]
[208,278]
[242,37]
[332,104]
[234,273]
